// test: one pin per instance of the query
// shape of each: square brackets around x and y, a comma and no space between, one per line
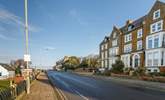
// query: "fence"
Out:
[6,94]
[12,93]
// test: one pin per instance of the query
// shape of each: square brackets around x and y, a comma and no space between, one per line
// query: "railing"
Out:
[6,94]
[12,92]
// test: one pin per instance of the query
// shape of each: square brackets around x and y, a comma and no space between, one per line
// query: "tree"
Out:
[18,71]
[84,63]
[117,67]
[71,62]
[93,62]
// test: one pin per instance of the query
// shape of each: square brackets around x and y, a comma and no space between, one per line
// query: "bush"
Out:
[162,73]
[140,71]
[127,70]
[117,67]
[157,74]
[107,73]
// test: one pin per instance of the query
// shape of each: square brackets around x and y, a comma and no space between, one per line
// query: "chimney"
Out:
[128,22]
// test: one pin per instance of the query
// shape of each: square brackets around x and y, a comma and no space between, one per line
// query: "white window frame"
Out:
[139,33]
[139,45]
[106,46]
[152,30]
[156,36]
[102,47]
[127,48]
[114,34]
[114,42]
[149,58]
[155,57]
[106,54]
[128,37]
[154,14]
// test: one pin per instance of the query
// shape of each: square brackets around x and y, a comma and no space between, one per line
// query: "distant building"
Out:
[139,43]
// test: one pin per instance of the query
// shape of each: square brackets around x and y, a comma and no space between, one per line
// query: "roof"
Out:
[6,66]
[135,24]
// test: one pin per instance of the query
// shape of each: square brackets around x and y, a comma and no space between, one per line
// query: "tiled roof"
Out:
[6,66]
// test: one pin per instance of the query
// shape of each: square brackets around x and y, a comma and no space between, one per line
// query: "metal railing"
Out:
[12,92]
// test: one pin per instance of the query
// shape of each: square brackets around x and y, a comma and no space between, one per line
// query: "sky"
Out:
[59,28]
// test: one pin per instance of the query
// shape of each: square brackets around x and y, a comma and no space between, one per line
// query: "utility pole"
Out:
[27,49]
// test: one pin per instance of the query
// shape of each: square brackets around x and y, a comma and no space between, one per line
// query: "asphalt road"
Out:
[76,87]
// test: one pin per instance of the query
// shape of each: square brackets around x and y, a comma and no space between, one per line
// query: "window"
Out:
[102,55]
[114,42]
[102,47]
[156,14]
[130,27]
[139,33]
[155,70]
[106,55]
[149,59]
[114,34]
[102,63]
[106,46]
[155,59]
[155,27]
[139,45]
[159,26]
[150,42]
[163,44]
[113,51]
[156,41]
[128,48]
[106,63]
[128,37]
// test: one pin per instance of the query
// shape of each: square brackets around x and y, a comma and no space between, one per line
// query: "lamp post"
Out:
[27,49]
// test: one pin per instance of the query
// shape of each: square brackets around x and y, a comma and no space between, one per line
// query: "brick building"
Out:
[139,43]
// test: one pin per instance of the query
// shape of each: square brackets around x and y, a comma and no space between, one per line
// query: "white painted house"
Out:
[6,72]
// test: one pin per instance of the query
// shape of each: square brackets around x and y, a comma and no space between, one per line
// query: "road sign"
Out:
[27,70]
[27,58]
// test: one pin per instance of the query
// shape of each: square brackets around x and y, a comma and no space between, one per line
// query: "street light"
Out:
[27,49]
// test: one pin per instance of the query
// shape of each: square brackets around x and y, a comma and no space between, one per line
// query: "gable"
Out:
[158,5]
[115,33]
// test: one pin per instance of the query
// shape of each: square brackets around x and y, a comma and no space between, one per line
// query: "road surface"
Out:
[76,87]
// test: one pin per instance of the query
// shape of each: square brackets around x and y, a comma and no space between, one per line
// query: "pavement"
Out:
[77,87]
[41,90]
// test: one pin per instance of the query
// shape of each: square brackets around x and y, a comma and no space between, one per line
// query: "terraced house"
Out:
[114,43]
[140,43]
[104,46]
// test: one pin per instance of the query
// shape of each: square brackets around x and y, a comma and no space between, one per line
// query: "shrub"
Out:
[162,73]
[117,67]
[127,70]
[140,71]
[107,73]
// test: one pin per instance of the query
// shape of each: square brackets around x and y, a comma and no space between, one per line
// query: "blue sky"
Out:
[62,27]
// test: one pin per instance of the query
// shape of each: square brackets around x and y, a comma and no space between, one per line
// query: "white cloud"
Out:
[5,37]
[11,20]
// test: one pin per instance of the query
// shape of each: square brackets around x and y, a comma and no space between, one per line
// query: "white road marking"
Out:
[81,95]
[66,85]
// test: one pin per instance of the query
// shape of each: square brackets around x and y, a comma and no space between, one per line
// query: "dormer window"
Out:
[156,14]
[129,27]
